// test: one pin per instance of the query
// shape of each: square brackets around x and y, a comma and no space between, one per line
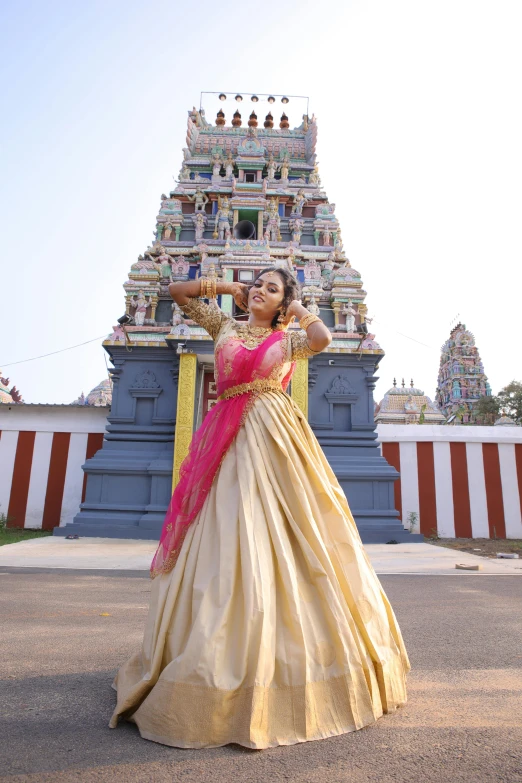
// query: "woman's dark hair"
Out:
[291,287]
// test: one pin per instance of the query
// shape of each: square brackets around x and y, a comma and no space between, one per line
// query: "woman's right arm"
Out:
[191,289]
[187,295]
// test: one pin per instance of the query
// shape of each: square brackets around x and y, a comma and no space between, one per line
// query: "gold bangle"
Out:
[202,287]
[306,320]
[213,288]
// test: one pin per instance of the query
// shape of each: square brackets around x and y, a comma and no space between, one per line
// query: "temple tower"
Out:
[462,381]
[246,198]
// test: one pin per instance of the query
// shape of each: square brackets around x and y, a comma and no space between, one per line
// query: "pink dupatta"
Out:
[235,365]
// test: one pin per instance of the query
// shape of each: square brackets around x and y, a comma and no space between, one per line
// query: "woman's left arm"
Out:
[318,336]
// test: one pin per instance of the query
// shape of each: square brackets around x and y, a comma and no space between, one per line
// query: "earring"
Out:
[282,316]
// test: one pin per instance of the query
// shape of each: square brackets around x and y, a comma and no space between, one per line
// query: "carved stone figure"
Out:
[284,168]
[157,261]
[140,303]
[222,224]
[217,160]
[349,313]
[184,174]
[271,167]
[296,227]
[180,268]
[299,202]
[167,229]
[229,166]
[327,236]
[200,222]
[314,178]
[312,306]
[177,315]
[200,199]
[272,231]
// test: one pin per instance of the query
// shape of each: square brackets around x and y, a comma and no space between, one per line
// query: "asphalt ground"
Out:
[64,634]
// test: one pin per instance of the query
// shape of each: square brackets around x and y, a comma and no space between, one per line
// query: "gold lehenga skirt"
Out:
[272,628]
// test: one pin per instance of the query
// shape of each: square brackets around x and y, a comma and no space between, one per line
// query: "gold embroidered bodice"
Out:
[214,320]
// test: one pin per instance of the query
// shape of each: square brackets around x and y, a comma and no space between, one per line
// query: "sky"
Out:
[420,147]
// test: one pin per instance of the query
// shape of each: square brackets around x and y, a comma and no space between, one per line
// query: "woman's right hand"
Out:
[240,293]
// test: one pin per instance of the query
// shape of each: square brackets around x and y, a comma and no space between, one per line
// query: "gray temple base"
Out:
[129,479]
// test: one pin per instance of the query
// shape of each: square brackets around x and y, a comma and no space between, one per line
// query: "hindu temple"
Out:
[9,394]
[407,405]
[461,381]
[249,195]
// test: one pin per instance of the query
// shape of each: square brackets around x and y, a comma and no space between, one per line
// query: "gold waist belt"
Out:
[260,385]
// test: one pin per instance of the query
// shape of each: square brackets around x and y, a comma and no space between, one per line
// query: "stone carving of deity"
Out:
[349,313]
[216,164]
[177,315]
[296,227]
[272,232]
[327,236]
[167,229]
[163,257]
[312,306]
[140,303]
[314,178]
[229,166]
[184,173]
[200,199]
[180,268]
[222,224]
[299,202]
[285,168]
[271,167]
[199,225]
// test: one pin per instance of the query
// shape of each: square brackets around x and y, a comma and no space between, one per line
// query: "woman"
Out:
[267,624]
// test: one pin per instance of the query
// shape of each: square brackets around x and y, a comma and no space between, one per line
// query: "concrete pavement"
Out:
[134,555]
[64,634]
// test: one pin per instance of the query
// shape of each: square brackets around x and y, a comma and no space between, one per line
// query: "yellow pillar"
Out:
[299,390]
[260,224]
[185,411]
[235,217]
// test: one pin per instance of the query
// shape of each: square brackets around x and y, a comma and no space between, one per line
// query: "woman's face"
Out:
[266,295]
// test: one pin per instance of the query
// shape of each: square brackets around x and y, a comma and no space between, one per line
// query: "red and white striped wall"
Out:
[463,482]
[42,449]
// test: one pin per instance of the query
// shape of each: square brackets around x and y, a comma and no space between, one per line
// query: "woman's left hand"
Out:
[295,310]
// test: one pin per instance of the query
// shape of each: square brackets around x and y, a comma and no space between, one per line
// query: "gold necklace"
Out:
[252,336]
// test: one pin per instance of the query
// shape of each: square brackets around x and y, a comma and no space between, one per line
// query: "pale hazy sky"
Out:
[420,147]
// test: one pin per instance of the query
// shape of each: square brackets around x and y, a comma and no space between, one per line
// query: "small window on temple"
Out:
[246,275]
[250,176]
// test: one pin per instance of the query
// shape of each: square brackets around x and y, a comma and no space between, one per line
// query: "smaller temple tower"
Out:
[9,395]
[462,381]
[407,405]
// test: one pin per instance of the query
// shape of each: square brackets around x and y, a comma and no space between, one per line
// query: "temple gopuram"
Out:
[407,405]
[461,381]
[9,395]
[248,196]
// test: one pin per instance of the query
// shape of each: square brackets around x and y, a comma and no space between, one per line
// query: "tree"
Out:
[510,400]
[488,410]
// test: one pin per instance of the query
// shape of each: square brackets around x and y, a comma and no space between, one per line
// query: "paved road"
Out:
[58,654]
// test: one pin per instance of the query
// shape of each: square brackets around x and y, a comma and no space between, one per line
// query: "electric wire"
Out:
[52,353]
